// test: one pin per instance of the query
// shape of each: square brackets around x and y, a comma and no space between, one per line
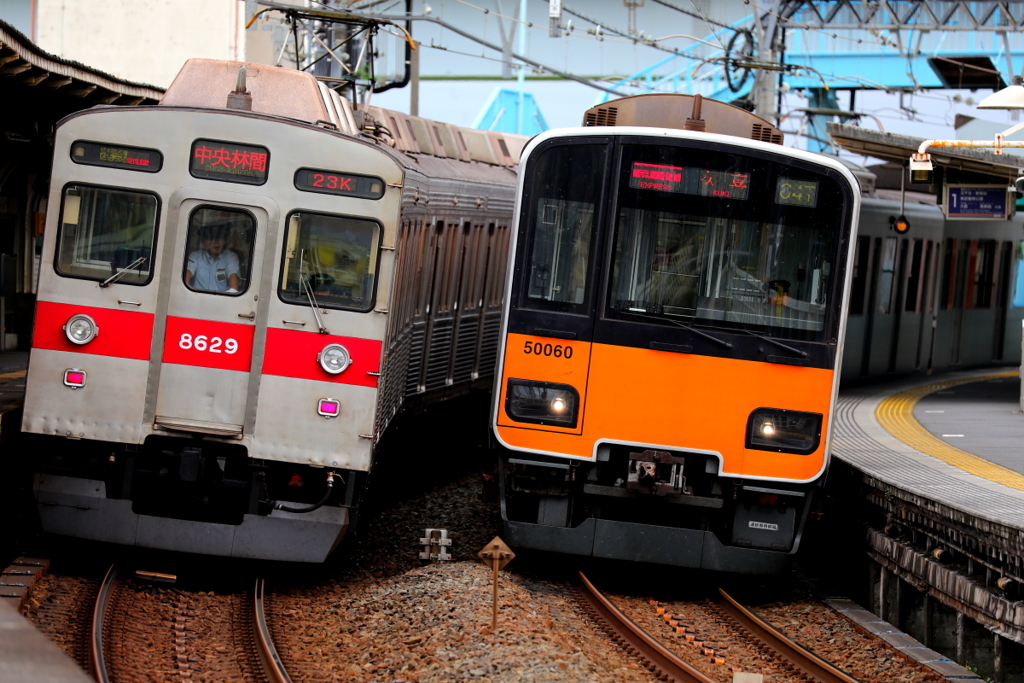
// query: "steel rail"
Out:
[273,667]
[97,663]
[663,660]
[805,660]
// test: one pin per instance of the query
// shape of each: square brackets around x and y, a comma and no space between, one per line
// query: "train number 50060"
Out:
[542,349]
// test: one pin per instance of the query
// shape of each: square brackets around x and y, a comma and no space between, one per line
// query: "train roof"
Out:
[431,147]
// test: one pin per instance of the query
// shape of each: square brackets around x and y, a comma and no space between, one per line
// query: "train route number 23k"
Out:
[542,349]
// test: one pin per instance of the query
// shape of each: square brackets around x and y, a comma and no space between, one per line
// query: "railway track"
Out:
[121,649]
[797,662]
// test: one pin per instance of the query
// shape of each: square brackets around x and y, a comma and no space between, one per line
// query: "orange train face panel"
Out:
[546,360]
[674,401]
[668,371]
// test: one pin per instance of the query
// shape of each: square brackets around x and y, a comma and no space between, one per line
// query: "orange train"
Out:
[673,335]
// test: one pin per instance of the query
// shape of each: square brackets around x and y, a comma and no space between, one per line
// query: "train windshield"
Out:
[105,232]
[724,240]
[331,260]
[219,253]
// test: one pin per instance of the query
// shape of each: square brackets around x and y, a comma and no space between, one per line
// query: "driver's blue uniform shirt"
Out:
[210,273]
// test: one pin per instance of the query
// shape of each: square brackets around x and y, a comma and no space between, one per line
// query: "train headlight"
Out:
[542,403]
[81,329]
[334,358]
[784,431]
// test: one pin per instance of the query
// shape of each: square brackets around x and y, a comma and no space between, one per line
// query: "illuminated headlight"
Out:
[542,403]
[784,431]
[81,329]
[334,358]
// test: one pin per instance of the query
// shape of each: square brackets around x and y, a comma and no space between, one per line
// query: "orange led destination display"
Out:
[229,161]
[339,183]
[116,156]
[689,180]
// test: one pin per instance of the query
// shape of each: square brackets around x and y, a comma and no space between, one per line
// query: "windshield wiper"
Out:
[721,342]
[308,291]
[802,354]
[124,271]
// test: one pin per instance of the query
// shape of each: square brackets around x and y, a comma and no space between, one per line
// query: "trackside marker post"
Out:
[496,555]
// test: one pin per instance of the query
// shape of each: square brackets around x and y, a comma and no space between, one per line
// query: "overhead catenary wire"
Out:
[496,48]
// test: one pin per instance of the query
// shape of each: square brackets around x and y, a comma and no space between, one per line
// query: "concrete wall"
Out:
[145,41]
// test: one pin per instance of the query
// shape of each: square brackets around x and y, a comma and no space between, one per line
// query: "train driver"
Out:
[212,267]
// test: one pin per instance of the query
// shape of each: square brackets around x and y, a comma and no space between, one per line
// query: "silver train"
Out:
[946,294]
[243,286]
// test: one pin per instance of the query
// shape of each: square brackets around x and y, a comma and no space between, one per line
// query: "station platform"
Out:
[956,440]
[933,467]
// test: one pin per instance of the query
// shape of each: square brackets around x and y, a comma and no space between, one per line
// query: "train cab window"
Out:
[107,233]
[560,217]
[331,260]
[720,240]
[219,253]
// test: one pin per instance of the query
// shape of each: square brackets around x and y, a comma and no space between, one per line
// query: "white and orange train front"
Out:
[208,332]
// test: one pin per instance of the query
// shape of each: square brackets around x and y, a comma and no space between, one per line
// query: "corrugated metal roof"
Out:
[23,63]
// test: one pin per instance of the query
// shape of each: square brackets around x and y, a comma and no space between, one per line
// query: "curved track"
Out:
[272,665]
[669,666]
[658,658]
[813,666]
[273,669]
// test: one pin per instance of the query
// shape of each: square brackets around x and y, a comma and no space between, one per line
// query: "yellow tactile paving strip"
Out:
[896,415]
[12,375]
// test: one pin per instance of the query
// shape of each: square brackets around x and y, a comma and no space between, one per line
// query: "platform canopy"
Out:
[898,148]
[28,71]
[37,90]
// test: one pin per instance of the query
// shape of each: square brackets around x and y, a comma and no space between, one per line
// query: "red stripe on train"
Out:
[291,353]
[208,343]
[122,334]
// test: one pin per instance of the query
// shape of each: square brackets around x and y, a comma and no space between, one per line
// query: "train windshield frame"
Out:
[107,230]
[333,259]
[715,236]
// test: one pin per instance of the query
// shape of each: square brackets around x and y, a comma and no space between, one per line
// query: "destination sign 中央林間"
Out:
[230,162]
[116,156]
[689,180]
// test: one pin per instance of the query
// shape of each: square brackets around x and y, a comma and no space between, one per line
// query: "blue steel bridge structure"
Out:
[825,46]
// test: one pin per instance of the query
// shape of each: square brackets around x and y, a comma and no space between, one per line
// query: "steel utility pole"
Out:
[764,80]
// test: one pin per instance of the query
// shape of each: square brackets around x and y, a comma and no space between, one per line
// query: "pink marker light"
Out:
[74,378]
[328,407]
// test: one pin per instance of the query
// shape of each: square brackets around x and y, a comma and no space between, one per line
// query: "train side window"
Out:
[331,259]
[860,275]
[948,263]
[559,217]
[913,301]
[1018,278]
[885,289]
[984,273]
[219,252]
[107,232]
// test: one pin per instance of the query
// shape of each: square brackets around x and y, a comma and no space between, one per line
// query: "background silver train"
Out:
[938,298]
[360,265]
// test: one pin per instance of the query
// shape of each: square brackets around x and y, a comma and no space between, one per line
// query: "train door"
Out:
[926,333]
[897,306]
[959,298]
[1005,268]
[212,277]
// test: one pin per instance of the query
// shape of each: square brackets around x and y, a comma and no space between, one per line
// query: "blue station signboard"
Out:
[977,201]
